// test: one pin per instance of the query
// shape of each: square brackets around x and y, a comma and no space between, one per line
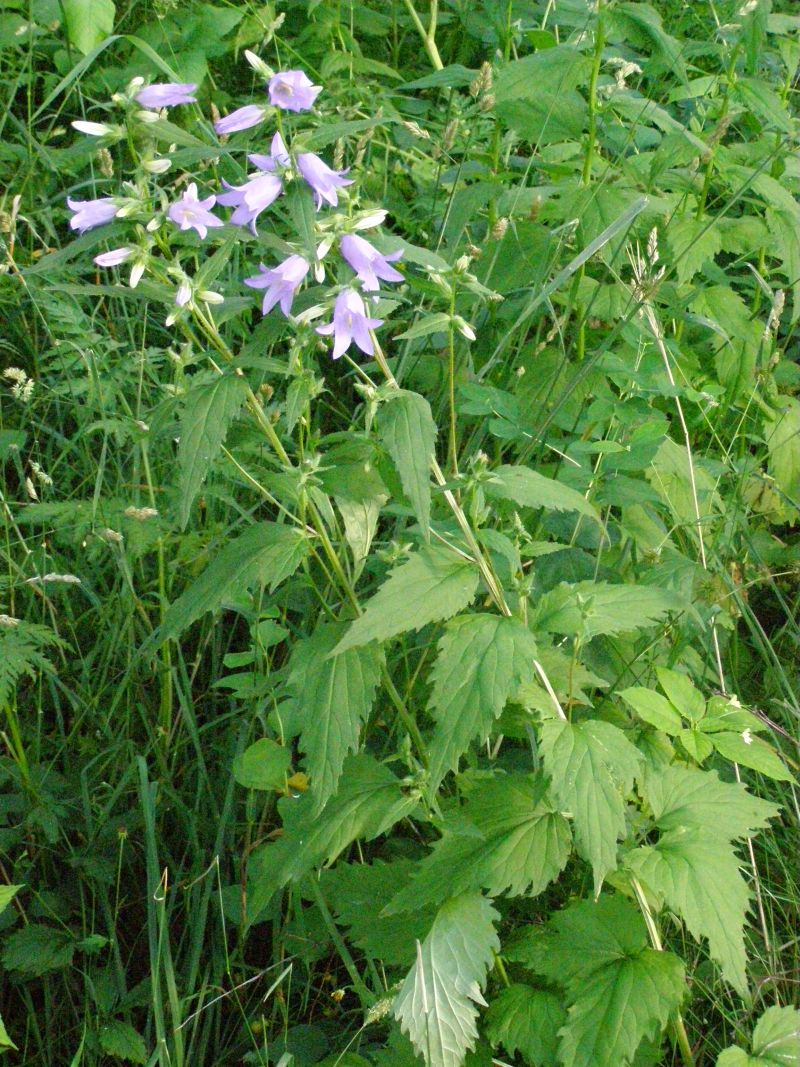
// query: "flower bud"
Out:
[92,129]
[148,117]
[137,270]
[463,328]
[157,166]
[208,296]
[498,231]
[258,64]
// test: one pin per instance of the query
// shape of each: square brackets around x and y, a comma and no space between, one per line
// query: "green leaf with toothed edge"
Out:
[437,1003]
[408,433]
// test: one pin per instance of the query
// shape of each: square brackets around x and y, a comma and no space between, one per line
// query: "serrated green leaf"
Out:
[526,1020]
[529,489]
[88,22]
[7,894]
[682,798]
[698,878]
[592,766]
[36,949]
[208,411]
[692,241]
[369,800]
[751,752]
[592,608]
[782,434]
[266,552]
[436,1005]
[776,1042]
[357,892]
[263,765]
[481,661]
[682,693]
[696,744]
[408,433]
[620,991]
[432,585]
[119,1039]
[335,696]
[509,839]
[653,708]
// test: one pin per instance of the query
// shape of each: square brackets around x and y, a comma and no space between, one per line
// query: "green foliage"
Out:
[408,433]
[436,1005]
[775,1043]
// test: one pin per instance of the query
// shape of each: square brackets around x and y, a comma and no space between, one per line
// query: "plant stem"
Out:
[599,42]
[428,36]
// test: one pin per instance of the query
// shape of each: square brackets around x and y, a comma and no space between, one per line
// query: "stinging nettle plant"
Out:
[491,781]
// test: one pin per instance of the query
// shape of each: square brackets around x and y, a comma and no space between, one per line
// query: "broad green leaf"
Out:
[432,585]
[36,949]
[592,766]
[782,434]
[776,1042]
[653,708]
[698,878]
[263,765]
[620,992]
[266,552]
[697,745]
[208,411]
[119,1040]
[370,799]
[682,798]
[358,892]
[526,1020]
[681,693]
[510,839]
[481,661]
[529,489]
[759,98]
[590,608]
[408,433]
[692,241]
[7,894]
[558,69]
[642,26]
[334,695]
[88,22]
[751,752]
[670,476]
[547,118]
[436,1005]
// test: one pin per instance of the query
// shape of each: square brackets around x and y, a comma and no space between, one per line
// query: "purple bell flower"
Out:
[250,199]
[321,178]
[281,284]
[91,213]
[350,323]
[191,213]
[278,156]
[241,119]
[292,91]
[368,263]
[167,94]
[114,258]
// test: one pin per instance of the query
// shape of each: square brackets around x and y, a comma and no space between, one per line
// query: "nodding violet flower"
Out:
[292,91]
[278,156]
[91,213]
[321,178]
[241,119]
[167,94]
[281,284]
[250,199]
[350,323]
[191,213]
[114,258]
[368,263]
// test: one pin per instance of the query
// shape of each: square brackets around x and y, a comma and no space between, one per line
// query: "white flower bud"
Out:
[210,297]
[463,328]
[148,117]
[93,129]
[157,166]
[374,218]
[137,270]
[258,64]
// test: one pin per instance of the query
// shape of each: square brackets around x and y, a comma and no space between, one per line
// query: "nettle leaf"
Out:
[592,766]
[529,489]
[335,696]
[357,892]
[436,1005]
[620,992]
[88,22]
[408,433]
[481,661]
[208,411]
[119,1040]
[653,708]
[751,752]
[592,608]
[782,434]
[510,838]
[527,1020]
[776,1042]
[36,949]
[263,765]
[266,552]
[432,585]
[370,800]
[684,798]
[692,242]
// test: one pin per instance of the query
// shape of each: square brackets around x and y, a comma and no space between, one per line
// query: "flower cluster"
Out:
[288,91]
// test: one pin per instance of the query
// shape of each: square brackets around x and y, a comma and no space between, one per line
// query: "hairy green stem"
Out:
[428,36]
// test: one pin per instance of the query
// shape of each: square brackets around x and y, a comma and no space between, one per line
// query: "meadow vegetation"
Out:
[399,509]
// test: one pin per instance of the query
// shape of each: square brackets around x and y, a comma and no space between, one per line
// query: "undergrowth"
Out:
[437,701]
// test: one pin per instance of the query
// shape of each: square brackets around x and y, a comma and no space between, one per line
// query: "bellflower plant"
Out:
[292,90]
[191,213]
[242,119]
[323,181]
[368,263]
[281,283]
[350,323]
[91,213]
[167,94]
